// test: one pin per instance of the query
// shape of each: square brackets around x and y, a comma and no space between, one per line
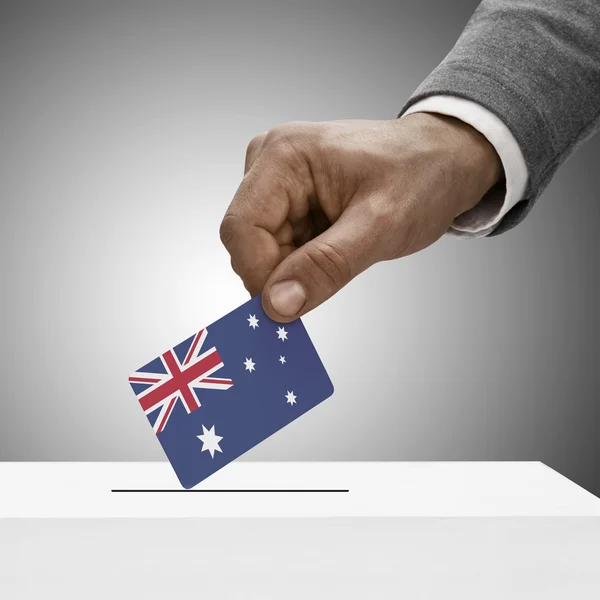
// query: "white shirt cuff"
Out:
[482,219]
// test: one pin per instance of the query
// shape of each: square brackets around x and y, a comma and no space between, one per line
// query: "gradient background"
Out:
[123,128]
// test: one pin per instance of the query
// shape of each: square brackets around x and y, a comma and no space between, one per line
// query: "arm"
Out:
[322,202]
[534,64]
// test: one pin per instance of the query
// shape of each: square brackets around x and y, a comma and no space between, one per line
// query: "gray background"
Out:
[123,128]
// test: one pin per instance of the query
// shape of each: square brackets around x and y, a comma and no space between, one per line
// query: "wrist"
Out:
[470,157]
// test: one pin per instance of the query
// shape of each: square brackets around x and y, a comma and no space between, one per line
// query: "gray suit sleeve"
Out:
[536,65]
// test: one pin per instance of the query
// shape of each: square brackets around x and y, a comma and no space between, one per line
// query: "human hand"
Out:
[322,202]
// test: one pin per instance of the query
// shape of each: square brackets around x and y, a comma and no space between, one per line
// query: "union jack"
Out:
[179,380]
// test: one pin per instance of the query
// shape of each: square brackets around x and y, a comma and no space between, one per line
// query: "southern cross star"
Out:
[282,359]
[253,321]
[291,399]
[281,334]
[210,440]
[249,365]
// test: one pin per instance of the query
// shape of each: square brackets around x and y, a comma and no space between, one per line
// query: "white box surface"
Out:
[384,489]
[403,530]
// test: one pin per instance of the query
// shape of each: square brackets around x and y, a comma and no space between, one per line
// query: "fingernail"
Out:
[287,297]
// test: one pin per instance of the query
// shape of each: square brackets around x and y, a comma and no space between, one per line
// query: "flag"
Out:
[227,387]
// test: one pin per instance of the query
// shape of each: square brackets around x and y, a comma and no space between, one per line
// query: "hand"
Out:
[321,202]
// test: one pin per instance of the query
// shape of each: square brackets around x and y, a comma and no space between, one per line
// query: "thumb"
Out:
[321,267]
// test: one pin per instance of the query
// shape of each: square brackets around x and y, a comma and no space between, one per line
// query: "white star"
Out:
[282,359]
[210,440]
[291,399]
[253,321]
[281,334]
[249,365]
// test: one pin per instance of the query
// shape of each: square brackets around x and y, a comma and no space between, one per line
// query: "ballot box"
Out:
[297,530]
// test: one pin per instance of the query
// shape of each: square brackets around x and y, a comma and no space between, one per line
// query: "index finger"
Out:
[254,230]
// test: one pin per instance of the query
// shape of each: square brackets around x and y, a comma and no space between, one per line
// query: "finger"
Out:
[254,251]
[321,267]
[255,230]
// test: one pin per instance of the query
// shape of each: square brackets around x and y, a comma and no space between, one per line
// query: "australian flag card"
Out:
[227,387]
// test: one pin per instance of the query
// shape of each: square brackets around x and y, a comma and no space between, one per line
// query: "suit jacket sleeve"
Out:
[535,64]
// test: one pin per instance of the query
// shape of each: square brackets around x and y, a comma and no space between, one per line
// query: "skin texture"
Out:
[322,202]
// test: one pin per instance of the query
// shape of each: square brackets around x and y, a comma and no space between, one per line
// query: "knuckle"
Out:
[287,135]
[282,132]
[330,261]
[228,229]
[274,136]
[254,146]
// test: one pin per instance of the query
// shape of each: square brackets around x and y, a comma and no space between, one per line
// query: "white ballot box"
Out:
[297,530]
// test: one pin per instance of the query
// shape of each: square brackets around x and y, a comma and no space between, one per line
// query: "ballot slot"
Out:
[274,491]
